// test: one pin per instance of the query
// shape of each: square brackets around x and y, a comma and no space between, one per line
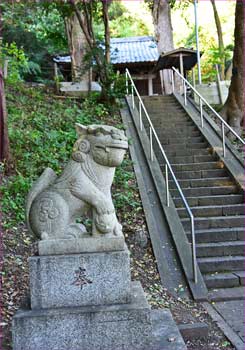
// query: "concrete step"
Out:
[213,210]
[241,276]
[169,119]
[162,124]
[225,294]
[197,166]
[159,99]
[218,235]
[181,140]
[167,112]
[187,152]
[178,134]
[186,146]
[198,174]
[204,223]
[170,108]
[221,280]
[220,249]
[210,200]
[168,129]
[221,263]
[190,159]
[205,191]
[160,105]
[209,182]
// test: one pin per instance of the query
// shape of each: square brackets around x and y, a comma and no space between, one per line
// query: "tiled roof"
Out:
[133,49]
[127,50]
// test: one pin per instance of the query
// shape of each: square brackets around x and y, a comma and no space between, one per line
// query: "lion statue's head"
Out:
[106,144]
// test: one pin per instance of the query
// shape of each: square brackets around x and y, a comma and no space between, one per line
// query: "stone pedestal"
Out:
[79,279]
[86,301]
[111,327]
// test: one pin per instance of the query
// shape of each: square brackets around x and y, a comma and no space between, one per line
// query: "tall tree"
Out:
[163,33]
[220,40]
[105,6]
[104,69]
[4,139]
[233,110]
[78,47]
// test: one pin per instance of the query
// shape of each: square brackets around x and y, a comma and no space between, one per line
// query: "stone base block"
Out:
[80,279]
[112,327]
[117,327]
[78,89]
[88,244]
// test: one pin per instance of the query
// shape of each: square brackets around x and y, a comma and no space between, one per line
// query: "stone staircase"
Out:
[214,197]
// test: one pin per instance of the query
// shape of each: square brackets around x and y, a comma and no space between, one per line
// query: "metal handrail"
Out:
[167,165]
[201,101]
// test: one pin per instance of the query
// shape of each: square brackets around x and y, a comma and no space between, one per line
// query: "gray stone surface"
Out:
[130,326]
[78,89]
[112,327]
[87,244]
[190,331]
[79,279]
[56,203]
[233,313]
[166,335]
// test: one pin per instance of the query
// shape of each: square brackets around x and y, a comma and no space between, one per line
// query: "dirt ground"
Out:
[17,248]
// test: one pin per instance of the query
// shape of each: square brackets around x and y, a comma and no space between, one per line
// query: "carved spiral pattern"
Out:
[77,156]
[84,146]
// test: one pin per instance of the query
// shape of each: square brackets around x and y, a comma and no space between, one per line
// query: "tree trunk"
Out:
[105,5]
[4,139]
[220,40]
[163,34]
[78,47]
[87,28]
[233,110]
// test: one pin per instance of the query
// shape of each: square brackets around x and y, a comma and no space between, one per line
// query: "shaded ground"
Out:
[17,248]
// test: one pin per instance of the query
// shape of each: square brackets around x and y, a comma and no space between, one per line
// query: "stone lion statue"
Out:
[55,203]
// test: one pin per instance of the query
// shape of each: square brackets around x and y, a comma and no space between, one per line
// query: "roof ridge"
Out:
[132,39]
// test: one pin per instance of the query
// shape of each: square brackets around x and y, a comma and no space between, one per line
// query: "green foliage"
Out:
[42,135]
[124,194]
[39,33]
[211,54]
[41,131]
[184,33]
[17,62]
[122,23]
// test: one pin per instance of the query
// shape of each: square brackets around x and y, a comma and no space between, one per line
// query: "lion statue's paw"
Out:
[76,231]
[105,223]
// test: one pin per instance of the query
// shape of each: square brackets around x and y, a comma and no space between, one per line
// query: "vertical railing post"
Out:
[127,83]
[132,94]
[140,112]
[185,98]
[172,80]
[151,145]
[167,184]
[223,139]
[194,258]
[201,111]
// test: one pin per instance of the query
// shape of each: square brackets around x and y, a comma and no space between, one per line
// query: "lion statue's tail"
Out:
[43,182]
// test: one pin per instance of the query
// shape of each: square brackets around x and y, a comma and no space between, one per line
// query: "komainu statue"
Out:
[55,204]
